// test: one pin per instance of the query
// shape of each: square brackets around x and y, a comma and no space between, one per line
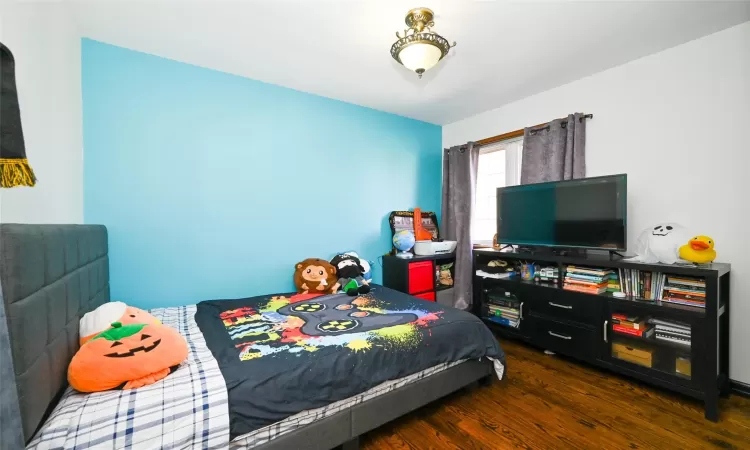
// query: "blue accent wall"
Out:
[214,185]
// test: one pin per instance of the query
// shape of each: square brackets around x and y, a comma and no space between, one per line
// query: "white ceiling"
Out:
[340,49]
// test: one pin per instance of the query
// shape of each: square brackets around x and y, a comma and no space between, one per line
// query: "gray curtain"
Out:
[459,187]
[554,152]
[11,430]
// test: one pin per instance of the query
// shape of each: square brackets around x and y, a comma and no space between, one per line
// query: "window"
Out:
[499,166]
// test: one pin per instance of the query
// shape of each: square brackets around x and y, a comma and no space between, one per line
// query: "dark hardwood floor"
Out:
[548,402]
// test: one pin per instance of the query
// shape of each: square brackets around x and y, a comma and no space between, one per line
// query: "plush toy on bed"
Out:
[350,271]
[126,357]
[100,319]
[367,275]
[315,275]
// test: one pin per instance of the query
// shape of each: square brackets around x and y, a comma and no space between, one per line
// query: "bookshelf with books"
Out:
[667,325]
[663,287]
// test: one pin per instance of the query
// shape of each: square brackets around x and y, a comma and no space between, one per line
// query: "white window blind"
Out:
[499,166]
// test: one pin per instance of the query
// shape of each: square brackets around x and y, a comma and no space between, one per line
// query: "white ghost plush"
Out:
[661,244]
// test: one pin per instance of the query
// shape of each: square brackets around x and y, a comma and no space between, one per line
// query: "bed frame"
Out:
[50,275]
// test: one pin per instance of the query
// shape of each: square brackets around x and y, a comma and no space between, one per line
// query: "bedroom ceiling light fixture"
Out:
[420,48]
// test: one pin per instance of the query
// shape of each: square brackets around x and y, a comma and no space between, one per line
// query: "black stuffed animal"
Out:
[350,272]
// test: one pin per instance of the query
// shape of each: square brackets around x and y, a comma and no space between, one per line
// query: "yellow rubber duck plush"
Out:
[699,250]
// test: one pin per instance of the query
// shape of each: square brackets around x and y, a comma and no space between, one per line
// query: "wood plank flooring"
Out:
[549,402]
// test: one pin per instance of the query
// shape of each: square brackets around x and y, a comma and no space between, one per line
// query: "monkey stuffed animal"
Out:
[315,276]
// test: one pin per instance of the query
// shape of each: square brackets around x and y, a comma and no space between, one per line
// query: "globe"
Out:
[404,240]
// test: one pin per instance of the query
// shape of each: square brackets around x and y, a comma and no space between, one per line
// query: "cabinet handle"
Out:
[560,336]
[606,328]
[520,311]
[557,305]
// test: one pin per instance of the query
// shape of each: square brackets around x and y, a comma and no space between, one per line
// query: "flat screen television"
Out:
[584,213]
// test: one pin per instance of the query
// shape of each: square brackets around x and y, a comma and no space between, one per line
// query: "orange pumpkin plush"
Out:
[126,357]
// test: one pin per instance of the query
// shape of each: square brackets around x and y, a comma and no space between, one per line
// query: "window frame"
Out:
[512,177]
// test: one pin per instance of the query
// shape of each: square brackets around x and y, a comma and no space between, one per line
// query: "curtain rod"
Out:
[519,133]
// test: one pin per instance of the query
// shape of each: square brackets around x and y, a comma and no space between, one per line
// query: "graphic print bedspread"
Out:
[280,355]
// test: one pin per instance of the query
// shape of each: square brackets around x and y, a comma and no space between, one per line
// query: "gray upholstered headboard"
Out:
[50,275]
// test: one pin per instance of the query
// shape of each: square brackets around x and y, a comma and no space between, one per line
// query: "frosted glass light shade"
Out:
[420,56]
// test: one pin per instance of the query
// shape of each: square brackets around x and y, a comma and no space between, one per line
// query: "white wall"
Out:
[676,122]
[47,50]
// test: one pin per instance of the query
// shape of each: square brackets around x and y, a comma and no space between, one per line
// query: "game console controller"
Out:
[336,314]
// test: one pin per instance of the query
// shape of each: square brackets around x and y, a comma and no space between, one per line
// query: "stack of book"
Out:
[641,283]
[685,291]
[632,325]
[504,310]
[613,284]
[671,331]
[586,279]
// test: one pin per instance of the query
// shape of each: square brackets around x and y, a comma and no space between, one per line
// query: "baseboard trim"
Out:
[740,388]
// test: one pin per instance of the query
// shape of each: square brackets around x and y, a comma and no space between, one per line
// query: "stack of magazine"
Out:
[671,331]
[685,291]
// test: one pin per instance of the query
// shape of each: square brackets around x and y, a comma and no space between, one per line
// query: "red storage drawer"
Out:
[421,277]
[427,296]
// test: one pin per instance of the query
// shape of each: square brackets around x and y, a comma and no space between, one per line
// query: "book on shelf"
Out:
[687,281]
[588,271]
[613,283]
[633,322]
[499,316]
[585,277]
[673,334]
[664,337]
[504,321]
[670,325]
[511,303]
[648,332]
[507,314]
[509,307]
[504,308]
[666,329]
[585,283]
[684,296]
[697,304]
[585,289]
[678,290]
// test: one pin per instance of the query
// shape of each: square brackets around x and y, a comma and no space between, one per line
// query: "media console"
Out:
[580,325]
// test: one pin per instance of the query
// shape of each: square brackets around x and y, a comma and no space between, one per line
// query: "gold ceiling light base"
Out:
[419,18]
[420,49]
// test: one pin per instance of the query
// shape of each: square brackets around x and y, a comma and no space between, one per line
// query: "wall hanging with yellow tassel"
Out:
[14,167]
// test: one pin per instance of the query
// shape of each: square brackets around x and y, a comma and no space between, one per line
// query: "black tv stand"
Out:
[613,253]
[580,324]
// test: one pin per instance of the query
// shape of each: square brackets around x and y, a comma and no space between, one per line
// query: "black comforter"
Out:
[280,355]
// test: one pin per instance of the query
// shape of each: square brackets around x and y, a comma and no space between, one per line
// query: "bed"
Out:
[51,275]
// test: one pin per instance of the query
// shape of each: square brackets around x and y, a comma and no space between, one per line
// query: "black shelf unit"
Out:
[579,324]
[397,275]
